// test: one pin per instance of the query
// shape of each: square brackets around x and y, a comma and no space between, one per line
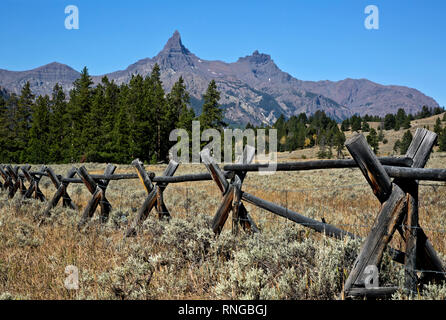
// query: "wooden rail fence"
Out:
[398,198]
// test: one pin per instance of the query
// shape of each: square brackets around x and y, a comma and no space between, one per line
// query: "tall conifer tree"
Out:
[79,108]
[59,126]
[212,113]
[23,121]
[38,147]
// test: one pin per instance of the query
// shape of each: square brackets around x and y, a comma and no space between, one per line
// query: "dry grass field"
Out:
[182,259]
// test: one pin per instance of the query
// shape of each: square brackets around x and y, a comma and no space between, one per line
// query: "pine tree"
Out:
[212,114]
[365,127]
[437,126]
[442,140]
[280,126]
[405,142]
[406,123]
[185,120]
[23,121]
[100,121]
[93,134]
[13,148]
[59,126]
[4,122]
[179,115]
[301,132]
[400,119]
[302,117]
[380,134]
[339,142]
[177,101]
[389,121]
[424,113]
[140,127]
[111,109]
[121,131]
[345,125]
[355,123]
[79,108]
[159,120]
[372,140]
[38,147]
[397,145]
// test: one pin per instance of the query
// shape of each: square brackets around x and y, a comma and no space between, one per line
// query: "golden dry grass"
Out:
[181,259]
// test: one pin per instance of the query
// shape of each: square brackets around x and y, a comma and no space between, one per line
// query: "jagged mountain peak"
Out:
[56,66]
[256,58]
[253,89]
[174,45]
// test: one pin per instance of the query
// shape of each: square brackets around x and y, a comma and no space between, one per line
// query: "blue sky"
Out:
[310,39]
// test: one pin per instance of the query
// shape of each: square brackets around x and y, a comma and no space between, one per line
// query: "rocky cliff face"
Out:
[253,89]
[42,79]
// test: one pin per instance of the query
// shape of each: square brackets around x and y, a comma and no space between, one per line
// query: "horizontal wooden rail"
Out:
[188,177]
[416,173]
[160,179]
[314,164]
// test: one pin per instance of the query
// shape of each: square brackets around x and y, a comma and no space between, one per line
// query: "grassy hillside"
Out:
[384,149]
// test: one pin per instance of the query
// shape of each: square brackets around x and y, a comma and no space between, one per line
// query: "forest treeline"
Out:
[299,132]
[118,123]
[103,123]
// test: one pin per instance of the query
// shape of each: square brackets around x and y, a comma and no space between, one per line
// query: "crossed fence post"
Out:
[3,185]
[61,192]
[34,184]
[98,194]
[232,194]
[6,177]
[398,204]
[418,246]
[17,181]
[154,195]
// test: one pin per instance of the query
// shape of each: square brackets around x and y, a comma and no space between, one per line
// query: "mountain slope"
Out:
[367,97]
[3,93]
[42,79]
[253,89]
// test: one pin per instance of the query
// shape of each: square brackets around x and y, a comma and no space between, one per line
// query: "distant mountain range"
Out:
[253,89]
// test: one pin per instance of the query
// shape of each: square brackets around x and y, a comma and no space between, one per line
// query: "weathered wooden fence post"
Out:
[61,191]
[154,195]
[231,192]
[15,180]
[160,205]
[3,185]
[98,195]
[419,252]
[21,179]
[394,206]
[103,184]
[239,212]
[6,177]
[34,184]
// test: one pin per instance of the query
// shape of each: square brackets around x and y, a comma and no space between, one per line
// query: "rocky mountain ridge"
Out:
[253,89]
